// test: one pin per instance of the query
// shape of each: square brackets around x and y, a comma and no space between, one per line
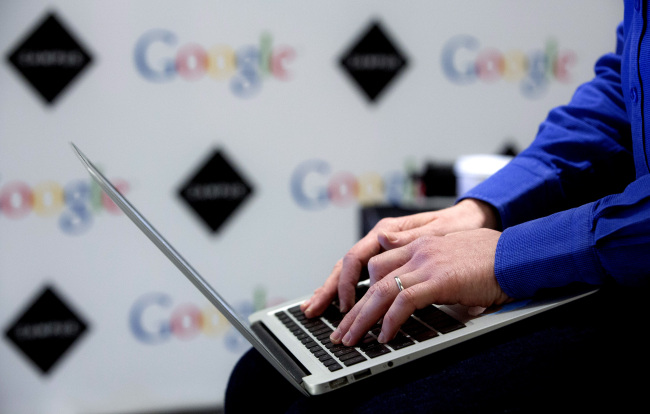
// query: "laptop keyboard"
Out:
[314,333]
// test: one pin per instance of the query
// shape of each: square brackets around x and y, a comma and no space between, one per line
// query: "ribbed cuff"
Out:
[520,191]
[549,252]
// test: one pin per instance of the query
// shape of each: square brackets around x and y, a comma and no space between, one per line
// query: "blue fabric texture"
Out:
[575,205]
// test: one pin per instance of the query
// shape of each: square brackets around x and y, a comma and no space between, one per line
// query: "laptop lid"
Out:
[240,323]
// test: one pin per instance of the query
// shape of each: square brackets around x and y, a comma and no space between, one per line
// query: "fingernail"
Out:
[381,338]
[347,338]
[308,312]
[335,337]
[390,238]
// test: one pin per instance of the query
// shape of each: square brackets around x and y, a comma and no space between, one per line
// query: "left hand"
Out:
[451,269]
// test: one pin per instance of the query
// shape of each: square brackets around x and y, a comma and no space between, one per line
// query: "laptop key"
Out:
[332,364]
[400,341]
[333,315]
[321,330]
[284,317]
[438,319]
[350,355]
[423,336]
[355,360]
[321,353]
[341,352]
[295,310]
[417,330]
[324,335]
[306,339]
[374,349]
[334,367]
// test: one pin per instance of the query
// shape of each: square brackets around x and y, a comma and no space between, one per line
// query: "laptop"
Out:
[299,348]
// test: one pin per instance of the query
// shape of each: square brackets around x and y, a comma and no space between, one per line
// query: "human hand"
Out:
[451,269]
[388,234]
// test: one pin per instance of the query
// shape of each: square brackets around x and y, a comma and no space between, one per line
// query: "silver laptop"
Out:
[299,348]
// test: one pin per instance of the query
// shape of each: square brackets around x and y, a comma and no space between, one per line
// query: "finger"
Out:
[347,320]
[476,310]
[363,250]
[324,295]
[392,240]
[388,262]
[415,296]
[395,262]
[349,278]
[353,263]
[367,312]
[412,221]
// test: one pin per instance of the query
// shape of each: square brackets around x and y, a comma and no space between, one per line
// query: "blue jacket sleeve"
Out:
[554,231]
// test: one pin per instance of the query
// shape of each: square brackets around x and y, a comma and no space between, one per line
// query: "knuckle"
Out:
[386,223]
[427,240]
[321,291]
[350,259]
[391,321]
[381,290]
[420,242]
[407,298]
[424,248]
[407,223]
[421,256]
[373,267]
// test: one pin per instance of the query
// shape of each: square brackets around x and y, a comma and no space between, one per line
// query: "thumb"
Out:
[393,240]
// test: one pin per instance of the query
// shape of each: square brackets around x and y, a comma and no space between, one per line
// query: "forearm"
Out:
[608,238]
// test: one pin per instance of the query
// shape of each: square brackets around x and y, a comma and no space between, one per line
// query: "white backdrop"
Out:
[151,341]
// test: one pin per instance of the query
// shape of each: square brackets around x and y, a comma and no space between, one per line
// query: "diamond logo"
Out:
[49,58]
[373,62]
[215,191]
[46,331]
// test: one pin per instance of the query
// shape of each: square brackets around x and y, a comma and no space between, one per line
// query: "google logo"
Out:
[74,204]
[158,58]
[155,319]
[315,186]
[464,61]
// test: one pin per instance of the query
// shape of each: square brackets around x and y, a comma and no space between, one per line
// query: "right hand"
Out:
[389,233]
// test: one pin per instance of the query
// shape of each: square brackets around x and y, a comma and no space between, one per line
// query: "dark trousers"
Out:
[589,354]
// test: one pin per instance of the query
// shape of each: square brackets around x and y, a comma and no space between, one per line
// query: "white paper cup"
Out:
[470,170]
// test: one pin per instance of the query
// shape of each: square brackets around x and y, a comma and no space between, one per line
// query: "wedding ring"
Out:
[399,283]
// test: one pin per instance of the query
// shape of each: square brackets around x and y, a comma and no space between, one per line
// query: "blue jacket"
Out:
[575,205]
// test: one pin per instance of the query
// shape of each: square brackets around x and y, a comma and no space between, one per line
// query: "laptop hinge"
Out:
[294,367]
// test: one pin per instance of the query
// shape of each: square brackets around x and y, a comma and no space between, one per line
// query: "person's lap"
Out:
[581,355]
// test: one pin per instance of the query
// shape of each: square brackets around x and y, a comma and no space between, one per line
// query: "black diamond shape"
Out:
[215,191]
[46,330]
[374,61]
[49,58]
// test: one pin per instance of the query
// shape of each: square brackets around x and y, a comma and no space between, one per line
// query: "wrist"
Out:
[484,214]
